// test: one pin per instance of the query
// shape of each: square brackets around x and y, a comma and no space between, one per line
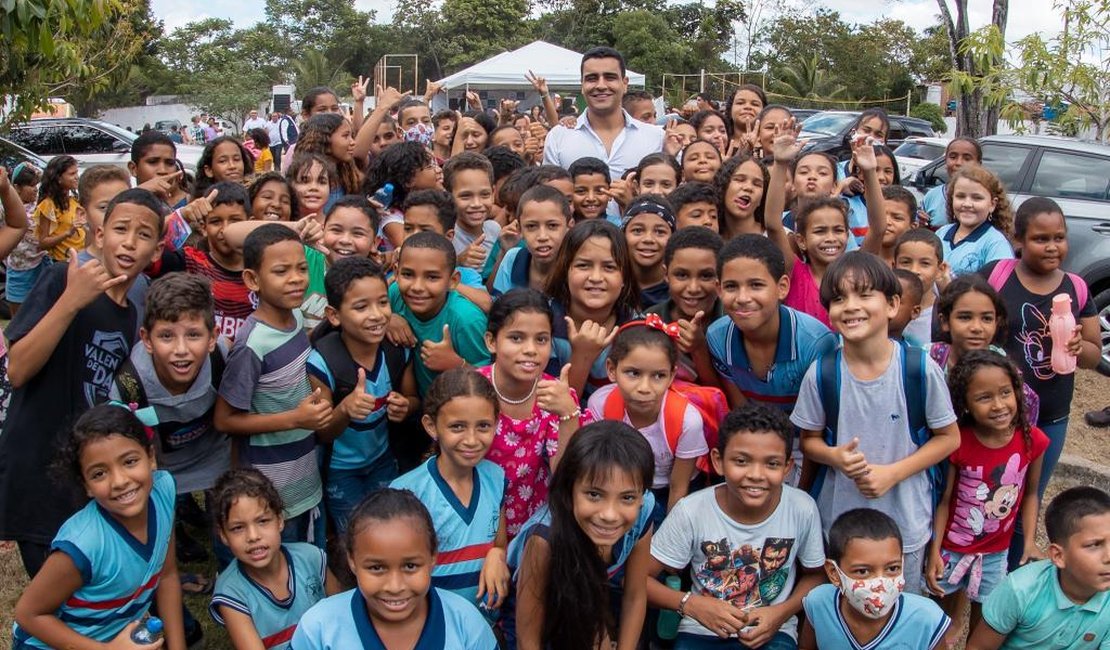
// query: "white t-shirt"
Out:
[749,565]
[691,443]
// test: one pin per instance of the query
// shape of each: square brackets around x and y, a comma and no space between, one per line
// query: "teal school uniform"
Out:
[466,322]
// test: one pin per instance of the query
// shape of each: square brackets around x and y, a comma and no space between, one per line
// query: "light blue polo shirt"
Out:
[915,623]
[984,245]
[564,146]
[802,338]
[935,204]
[1031,610]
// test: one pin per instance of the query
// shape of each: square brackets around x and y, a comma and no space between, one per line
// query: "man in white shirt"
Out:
[273,129]
[253,122]
[605,130]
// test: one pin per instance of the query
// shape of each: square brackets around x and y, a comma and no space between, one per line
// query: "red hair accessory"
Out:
[654,321]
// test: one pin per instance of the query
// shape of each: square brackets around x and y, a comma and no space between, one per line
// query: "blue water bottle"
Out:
[384,195]
[148,631]
[667,626]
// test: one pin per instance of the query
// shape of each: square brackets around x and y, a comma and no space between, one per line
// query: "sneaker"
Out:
[1098,418]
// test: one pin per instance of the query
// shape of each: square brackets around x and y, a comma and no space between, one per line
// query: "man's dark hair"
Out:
[602,52]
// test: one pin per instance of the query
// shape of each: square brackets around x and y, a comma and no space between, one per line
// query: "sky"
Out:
[1026,16]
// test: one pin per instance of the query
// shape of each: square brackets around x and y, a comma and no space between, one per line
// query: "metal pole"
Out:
[701,87]
[907,102]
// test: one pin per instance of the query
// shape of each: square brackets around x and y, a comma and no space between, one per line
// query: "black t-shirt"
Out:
[33,501]
[1029,343]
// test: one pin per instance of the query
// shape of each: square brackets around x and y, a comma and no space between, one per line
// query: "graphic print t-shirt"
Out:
[749,565]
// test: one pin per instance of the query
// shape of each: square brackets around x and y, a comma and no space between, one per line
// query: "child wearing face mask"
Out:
[864,605]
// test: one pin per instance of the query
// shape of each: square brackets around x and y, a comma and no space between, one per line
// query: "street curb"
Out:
[1075,469]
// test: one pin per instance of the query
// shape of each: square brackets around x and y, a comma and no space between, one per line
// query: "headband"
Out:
[655,322]
[647,205]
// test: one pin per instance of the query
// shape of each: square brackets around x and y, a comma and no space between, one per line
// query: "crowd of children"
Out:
[433,393]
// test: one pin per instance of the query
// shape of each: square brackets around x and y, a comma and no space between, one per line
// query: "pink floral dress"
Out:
[523,449]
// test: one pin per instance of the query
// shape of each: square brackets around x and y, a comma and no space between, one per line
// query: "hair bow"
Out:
[146,416]
[656,322]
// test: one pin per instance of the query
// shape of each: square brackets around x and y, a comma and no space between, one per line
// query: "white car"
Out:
[916,152]
[91,142]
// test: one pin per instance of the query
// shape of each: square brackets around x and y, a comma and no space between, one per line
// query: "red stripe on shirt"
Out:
[280,637]
[115,603]
[475,552]
[860,231]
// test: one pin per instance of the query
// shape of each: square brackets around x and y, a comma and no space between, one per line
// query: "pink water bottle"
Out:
[1061,326]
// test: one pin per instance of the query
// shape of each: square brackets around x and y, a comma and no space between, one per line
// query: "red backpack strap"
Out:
[674,414]
[1001,272]
[614,405]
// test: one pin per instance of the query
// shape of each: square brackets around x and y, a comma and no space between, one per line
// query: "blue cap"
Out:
[154,625]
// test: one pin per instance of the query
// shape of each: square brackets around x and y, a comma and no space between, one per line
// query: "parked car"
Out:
[803,114]
[91,142]
[828,131]
[1073,173]
[11,154]
[916,152]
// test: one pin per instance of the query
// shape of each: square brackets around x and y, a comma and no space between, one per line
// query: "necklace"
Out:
[514,402]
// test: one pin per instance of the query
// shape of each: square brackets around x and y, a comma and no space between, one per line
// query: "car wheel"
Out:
[1102,304]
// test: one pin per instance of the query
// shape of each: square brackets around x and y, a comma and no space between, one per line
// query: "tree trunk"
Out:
[972,118]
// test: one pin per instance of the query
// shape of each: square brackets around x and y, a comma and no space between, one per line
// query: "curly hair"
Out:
[397,164]
[1002,217]
[959,380]
[316,138]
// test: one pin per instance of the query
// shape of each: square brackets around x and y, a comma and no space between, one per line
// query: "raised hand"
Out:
[440,356]
[198,209]
[358,88]
[388,96]
[672,139]
[691,335]
[785,145]
[554,396]
[863,152]
[475,254]
[313,413]
[163,186]
[360,403]
[538,82]
[510,235]
[396,406]
[620,190]
[591,337]
[473,100]
[431,89]
[86,282]
[5,184]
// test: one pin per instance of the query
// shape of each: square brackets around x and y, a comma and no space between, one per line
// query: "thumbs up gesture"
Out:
[314,412]
[475,254]
[440,356]
[359,404]
[691,334]
[554,396]
[850,460]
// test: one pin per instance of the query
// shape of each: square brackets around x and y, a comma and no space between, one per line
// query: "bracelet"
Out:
[570,416]
[682,603]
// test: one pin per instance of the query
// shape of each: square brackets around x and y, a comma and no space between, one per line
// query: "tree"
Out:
[648,43]
[930,113]
[970,60]
[56,47]
[805,78]
[474,30]
[314,69]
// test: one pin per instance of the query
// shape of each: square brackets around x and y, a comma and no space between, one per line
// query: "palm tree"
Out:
[804,78]
[314,69]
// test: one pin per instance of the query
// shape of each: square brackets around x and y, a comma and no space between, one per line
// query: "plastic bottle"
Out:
[1061,326]
[148,631]
[384,195]
[667,626]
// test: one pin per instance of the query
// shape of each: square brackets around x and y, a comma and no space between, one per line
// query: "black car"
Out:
[828,131]
[11,154]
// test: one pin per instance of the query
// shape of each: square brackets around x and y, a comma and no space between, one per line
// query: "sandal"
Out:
[195,585]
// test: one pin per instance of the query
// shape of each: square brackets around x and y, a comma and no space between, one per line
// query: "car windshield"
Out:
[123,134]
[920,150]
[828,123]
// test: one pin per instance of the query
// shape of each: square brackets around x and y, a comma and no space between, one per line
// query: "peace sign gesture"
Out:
[358,88]
[538,82]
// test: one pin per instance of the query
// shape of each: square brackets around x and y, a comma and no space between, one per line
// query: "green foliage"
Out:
[805,78]
[932,113]
[314,69]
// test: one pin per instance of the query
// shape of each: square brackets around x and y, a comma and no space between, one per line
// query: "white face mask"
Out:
[873,597]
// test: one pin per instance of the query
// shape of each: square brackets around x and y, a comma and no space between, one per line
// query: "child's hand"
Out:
[123,640]
[493,581]
[785,145]
[672,139]
[553,395]
[431,88]
[934,572]
[850,460]
[591,338]
[944,276]
[310,231]
[197,209]
[621,190]
[359,404]
[538,82]
[5,184]
[163,186]
[863,153]
[533,148]
[510,235]
[388,96]
[86,282]
[1031,554]
[690,333]
[850,186]
[473,100]
[475,254]
[399,333]
[396,406]
[313,413]
[876,481]
[718,616]
[440,356]
[1075,343]
[358,89]
[763,623]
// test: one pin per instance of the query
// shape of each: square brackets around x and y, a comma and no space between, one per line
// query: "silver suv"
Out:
[91,142]
[1073,173]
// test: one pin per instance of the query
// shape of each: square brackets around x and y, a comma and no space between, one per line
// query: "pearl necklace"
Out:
[513,402]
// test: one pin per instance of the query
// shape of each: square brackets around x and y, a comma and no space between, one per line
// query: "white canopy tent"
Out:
[505,71]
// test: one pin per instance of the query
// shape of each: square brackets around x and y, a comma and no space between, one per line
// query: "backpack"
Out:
[289,131]
[132,391]
[916,388]
[709,402]
[1003,269]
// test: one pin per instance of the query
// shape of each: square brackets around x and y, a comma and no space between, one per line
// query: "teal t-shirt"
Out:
[466,322]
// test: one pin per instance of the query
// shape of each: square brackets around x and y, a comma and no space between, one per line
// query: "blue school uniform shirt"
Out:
[935,204]
[274,619]
[915,623]
[983,245]
[363,441]
[802,338]
[341,622]
[465,533]
[119,575]
[1031,611]
[857,221]
[513,272]
[468,332]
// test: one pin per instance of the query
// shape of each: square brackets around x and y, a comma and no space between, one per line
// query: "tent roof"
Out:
[560,66]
